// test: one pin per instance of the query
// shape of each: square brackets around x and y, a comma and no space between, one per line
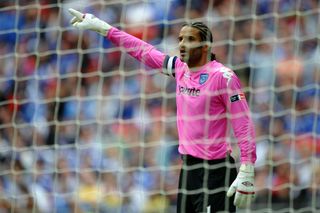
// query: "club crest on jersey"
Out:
[203,78]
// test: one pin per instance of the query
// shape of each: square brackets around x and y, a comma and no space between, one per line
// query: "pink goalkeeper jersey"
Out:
[208,100]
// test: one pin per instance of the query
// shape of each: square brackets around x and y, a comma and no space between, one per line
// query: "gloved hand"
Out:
[89,22]
[243,186]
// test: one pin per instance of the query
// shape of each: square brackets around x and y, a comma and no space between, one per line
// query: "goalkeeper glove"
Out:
[89,22]
[243,186]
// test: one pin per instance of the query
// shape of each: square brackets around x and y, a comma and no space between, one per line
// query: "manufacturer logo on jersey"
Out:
[237,97]
[227,73]
[203,78]
[186,75]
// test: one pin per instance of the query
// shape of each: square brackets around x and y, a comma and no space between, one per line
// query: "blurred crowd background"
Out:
[86,128]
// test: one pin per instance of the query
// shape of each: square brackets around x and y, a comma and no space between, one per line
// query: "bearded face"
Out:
[192,49]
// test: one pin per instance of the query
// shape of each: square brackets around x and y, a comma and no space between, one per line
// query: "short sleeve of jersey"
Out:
[169,65]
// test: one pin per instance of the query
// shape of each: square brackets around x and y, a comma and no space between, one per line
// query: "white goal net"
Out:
[86,128]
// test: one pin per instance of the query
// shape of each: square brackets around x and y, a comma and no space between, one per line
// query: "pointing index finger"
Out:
[76,13]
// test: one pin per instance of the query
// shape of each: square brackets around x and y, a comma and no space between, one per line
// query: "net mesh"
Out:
[86,128]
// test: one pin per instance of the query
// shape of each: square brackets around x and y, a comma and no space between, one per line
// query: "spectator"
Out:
[41,114]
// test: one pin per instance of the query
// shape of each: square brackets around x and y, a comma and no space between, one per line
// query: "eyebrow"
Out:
[187,36]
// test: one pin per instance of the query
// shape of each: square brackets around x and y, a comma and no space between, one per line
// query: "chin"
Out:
[183,58]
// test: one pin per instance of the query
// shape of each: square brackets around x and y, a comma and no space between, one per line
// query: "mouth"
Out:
[183,53]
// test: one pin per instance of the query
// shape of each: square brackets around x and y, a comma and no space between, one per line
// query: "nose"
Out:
[181,43]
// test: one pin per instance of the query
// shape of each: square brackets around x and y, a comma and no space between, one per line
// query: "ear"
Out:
[206,49]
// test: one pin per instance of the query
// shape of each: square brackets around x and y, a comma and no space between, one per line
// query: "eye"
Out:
[191,38]
[179,38]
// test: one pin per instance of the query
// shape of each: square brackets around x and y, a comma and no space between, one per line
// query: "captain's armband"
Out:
[169,66]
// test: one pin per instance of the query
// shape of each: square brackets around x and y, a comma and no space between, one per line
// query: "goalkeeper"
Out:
[208,97]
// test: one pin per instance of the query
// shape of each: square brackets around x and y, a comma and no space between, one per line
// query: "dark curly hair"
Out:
[205,33]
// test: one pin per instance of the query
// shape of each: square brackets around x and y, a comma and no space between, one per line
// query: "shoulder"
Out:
[223,74]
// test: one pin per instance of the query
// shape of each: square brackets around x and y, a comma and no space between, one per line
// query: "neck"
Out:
[203,61]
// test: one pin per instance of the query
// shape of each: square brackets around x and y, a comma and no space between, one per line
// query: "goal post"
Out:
[84,127]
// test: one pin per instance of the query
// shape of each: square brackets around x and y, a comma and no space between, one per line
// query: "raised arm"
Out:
[142,51]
